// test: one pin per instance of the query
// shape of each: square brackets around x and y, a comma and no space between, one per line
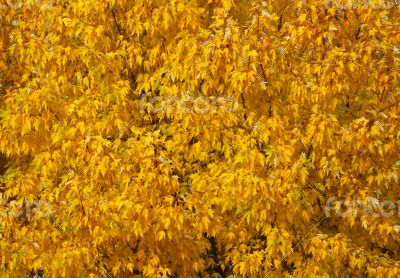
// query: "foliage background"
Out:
[94,185]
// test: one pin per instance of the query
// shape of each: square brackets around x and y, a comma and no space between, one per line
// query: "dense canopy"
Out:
[193,138]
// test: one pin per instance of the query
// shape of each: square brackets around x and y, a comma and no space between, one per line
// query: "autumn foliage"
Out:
[199,138]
